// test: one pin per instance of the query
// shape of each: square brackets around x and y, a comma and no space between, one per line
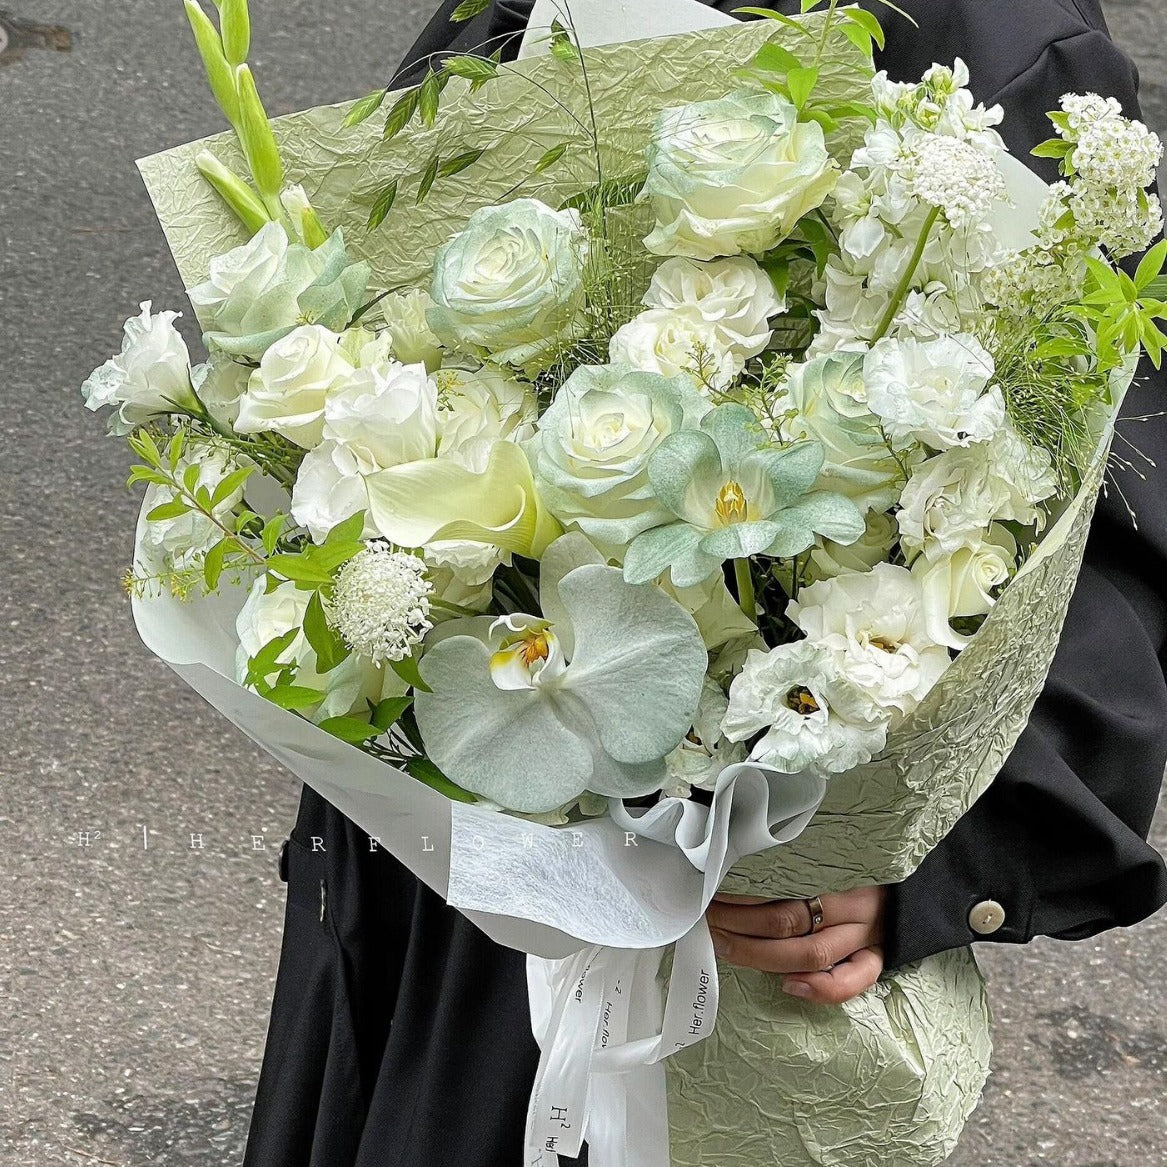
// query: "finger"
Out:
[770,919]
[804,954]
[844,982]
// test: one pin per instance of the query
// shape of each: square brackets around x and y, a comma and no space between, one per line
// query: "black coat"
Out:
[400,1035]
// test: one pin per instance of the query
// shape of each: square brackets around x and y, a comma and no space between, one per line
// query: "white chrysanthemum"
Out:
[954,176]
[380,603]
[812,715]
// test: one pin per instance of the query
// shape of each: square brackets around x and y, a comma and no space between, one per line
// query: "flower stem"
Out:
[746,599]
[905,284]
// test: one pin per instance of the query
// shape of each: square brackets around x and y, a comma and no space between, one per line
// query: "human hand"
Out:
[840,961]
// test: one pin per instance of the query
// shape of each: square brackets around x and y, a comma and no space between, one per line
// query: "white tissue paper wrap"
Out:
[621,973]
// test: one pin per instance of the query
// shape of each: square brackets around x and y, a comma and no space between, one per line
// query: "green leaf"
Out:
[1052,148]
[299,570]
[776,59]
[823,118]
[174,449]
[425,771]
[382,206]
[867,21]
[407,670]
[1151,266]
[427,99]
[563,48]
[859,37]
[190,478]
[550,157]
[329,648]
[174,509]
[472,68]
[348,531]
[781,18]
[468,10]
[233,482]
[460,162]
[428,178]
[897,9]
[349,729]
[235,23]
[802,83]
[365,108]
[213,564]
[386,713]
[266,661]
[270,535]
[294,696]
[400,114]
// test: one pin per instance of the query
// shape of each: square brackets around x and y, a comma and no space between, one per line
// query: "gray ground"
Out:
[136,982]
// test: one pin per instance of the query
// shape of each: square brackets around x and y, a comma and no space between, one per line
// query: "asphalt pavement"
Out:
[141,912]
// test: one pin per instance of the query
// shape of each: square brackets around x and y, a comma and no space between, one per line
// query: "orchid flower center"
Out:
[529,656]
[730,506]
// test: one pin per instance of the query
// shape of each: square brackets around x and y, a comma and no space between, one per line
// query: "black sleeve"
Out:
[1059,838]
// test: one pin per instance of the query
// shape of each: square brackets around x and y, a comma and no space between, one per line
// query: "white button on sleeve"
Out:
[986,917]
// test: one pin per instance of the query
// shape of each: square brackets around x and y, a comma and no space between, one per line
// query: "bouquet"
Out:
[635,471]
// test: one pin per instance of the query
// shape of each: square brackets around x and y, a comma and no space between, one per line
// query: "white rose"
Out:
[875,626]
[266,615]
[952,498]
[828,559]
[963,582]
[385,415]
[935,392]
[329,489]
[674,342]
[734,175]
[590,456]
[480,407]
[509,286]
[812,714]
[150,376]
[734,296]
[412,338]
[287,392]
[824,399]
[176,544]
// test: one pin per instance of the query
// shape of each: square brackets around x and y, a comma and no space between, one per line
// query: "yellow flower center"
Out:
[534,648]
[730,507]
[802,701]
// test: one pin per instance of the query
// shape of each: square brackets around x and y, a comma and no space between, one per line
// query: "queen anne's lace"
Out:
[953,175]
[380,603]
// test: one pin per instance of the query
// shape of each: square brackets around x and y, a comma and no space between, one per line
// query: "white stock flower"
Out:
[177,543]
[874,625]
[509,286]
[384,415]
[380,603]
[705,751]
[825,399]
[952,498]
[813,716]
[149,377]
[674,342]
[288,390]
[936,392]
[733,175]
[479,407]
[734,296]
[828,558]
[963,582]
[267,615]
[406,319]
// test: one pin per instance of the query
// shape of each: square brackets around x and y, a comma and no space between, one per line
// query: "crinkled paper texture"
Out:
[891,1077]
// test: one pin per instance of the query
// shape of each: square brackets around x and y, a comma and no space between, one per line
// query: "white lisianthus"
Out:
[936,392]
[287,392]
[385,415]
[705,751]
[674,342]
[829,559]
[178,543]
[406,319]
[462,572]
[480,407]
[734,296]
[220,382]
[329,489]
[380,603]
[875,626]
[952,498]
[964,582]
[149,377]
[509,286]
[262,290]
[825,399]
[267,615]
[733,175]
[590,456]
[814,717]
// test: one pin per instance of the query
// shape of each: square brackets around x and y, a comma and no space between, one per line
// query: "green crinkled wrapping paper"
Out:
[891,1077]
